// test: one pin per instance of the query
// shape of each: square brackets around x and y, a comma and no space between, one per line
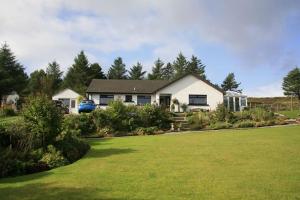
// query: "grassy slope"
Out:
[291,114]
[234,164]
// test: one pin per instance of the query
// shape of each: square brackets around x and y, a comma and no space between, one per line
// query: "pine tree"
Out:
[195,66]
[77,75]
[54,77]
[136,72]
[117,70]
[180,65]
[157,70]
[37,83]
[168,72]
[12,75]
[95,72]
[291,83]
[230,84]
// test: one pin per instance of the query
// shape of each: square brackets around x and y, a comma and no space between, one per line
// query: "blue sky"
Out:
[258,40]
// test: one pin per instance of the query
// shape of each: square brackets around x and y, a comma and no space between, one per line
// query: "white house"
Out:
[69,99]
[189,89]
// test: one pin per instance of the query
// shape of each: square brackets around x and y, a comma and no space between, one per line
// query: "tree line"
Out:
[79,75]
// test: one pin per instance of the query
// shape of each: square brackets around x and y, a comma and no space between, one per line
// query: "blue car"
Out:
[86,106]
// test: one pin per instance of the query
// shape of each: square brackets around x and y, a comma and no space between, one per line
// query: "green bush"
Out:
[198,120]
[53,158]
[220,125]
[6,112]
[43,119]
[244,124]
[146,131]
[104,132]
[72,148]
[82,124]
[121,119]
[222,114]
[260,114]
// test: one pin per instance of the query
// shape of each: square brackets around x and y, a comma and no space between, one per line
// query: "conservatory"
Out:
[235,101]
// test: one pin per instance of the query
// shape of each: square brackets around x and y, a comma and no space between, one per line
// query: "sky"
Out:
[258,40]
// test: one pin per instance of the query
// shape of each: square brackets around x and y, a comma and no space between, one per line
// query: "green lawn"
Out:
[232,164]
[291,114]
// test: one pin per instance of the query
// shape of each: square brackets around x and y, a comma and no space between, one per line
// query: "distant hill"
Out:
[274,103]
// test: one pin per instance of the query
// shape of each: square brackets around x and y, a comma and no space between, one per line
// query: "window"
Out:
[105,99]
[198,100]
[142,100]
[128,98]
[243,101]
[73,103]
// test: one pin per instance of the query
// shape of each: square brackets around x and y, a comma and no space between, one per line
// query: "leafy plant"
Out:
[184,107]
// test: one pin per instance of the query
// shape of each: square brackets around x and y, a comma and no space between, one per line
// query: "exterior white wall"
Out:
[190,85]
[68,94]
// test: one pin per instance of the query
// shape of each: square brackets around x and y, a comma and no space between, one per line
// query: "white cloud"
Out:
[40,31]
[270,90]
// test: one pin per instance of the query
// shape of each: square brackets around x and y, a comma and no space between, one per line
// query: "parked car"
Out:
[86,106]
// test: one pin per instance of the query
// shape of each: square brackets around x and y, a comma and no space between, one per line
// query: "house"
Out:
[235,101]
[190,89]
[69,99]
[11,99]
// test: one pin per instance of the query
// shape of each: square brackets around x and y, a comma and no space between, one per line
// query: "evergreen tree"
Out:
[168,72]
[136,72]
[230,84]
[77,75]
[12,75]
[291,83]
[95,72]
[195,66]
[180,65]
[117,70]
[54,77]
[37,82]
[157,70]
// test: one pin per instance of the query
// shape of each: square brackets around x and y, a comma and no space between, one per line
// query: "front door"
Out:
[165,101]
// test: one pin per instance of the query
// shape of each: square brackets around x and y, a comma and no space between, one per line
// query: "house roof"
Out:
[125,86]
[135,86]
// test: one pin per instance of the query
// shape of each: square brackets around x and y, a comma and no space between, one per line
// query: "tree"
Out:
[12,75]
[168,72]
[136,72]
[291,83]
[77,75]
[37,82]
[117,70]
[195,66]
[230,84]
[157,70]
[180,65]
[95,72]
[43,119]
[54,77]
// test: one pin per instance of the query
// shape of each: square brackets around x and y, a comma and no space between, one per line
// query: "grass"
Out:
[229,164]
[9,120]
[292,114]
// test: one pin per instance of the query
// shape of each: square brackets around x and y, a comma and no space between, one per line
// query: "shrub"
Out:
[220,125]
[53,158]
[146,131]
[260,114]
[184,107]
[103,132]
[72,148]
[43,119]
[198,120]
[6,112]
[244,124]
[82,124]
[222,114]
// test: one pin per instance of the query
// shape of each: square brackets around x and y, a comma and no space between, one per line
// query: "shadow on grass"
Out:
[26,177]
[100,153]
[38,191]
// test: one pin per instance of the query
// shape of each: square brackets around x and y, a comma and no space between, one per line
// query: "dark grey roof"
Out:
[135,86]
[125,86]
